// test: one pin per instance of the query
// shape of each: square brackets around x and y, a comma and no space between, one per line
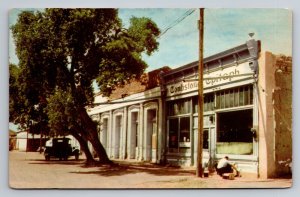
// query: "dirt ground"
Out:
[30,170]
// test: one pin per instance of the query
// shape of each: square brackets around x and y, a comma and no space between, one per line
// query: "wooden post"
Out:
[199,172]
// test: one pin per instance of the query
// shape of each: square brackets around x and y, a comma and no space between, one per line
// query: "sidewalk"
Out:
[185,177]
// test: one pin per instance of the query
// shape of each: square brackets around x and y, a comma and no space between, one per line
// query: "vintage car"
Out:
[60,148]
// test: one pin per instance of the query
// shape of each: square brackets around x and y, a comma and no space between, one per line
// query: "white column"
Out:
[141,133]
[124,134]
[159,130]
[110,134]
[129,134]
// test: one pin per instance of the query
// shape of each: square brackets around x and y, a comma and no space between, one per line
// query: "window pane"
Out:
[231,97]
[246,96]
[173,133]
[184,129]
[210,101]
[241,96]
[195,104]
[205,139]
[227,99]
[205,104]
[251,94]
[218,100]
[179,107]
[186,107]
[236,97]
[222,100]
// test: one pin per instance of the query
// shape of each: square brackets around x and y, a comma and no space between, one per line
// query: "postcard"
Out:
[158,98]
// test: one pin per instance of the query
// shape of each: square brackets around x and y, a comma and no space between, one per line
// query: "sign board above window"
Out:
[212,79]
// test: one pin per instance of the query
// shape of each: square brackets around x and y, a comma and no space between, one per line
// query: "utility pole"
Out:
[199,172]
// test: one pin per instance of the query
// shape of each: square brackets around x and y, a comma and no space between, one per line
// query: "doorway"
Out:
[134,124]
[151,128]
[118,130]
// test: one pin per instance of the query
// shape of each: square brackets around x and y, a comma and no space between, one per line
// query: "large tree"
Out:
[61,53]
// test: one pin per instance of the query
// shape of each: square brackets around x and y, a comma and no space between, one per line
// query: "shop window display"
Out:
[234,134]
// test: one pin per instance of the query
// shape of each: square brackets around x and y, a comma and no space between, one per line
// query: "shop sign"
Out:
[219,77]
[182,87]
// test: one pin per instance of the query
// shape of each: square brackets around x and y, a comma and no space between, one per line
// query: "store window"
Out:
[179,134]
[178,107]
[234,134]
[208,103]
[234,97]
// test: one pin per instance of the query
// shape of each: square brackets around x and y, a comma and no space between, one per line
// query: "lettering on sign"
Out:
[213,79]
[219,78]
[183,87]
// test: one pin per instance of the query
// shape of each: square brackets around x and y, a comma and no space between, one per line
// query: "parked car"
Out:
[60,148]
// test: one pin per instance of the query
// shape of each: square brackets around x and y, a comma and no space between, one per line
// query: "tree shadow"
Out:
[122,168]
[57,162]
[118,168]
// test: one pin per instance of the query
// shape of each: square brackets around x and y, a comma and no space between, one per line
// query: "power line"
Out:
[186,14]
[177,21]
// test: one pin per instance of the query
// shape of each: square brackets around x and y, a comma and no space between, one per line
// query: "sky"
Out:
[223,29]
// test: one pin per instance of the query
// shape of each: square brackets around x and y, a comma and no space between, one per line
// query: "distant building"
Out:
[28,142]
[247,113]
[12,140]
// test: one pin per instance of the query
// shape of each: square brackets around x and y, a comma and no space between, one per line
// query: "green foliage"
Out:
[62,51]
[61,112]
[16,101]
[144,33]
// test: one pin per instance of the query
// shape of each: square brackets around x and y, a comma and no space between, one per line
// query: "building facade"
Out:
[159,125]
[129,127]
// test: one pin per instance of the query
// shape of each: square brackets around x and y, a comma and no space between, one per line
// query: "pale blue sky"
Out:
[223,29]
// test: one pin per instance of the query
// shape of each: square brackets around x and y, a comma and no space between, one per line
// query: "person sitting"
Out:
[224,166]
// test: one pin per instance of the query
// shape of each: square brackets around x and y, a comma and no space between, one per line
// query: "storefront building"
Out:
[229,109]
[159,125]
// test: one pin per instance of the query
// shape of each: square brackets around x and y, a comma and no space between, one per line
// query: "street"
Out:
[30,170]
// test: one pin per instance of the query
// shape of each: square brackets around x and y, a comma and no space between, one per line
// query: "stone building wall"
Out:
[282,111]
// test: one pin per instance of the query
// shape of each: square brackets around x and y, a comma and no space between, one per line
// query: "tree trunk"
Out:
[84,147]
[99,149]
[92,135]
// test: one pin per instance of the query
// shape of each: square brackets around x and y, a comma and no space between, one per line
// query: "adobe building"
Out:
[246,114]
